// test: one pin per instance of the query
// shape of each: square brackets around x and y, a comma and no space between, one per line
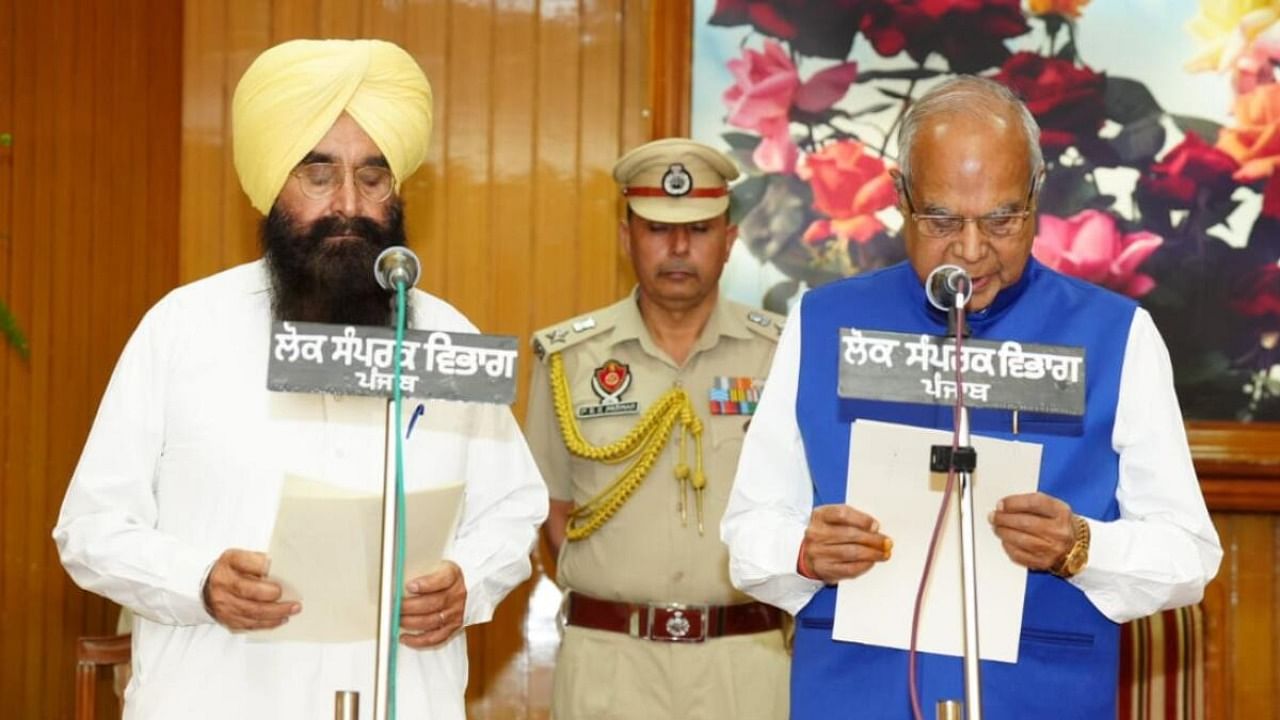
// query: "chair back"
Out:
[93,653]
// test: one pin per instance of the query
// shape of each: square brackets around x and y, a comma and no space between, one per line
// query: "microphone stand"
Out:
[392,560]
[963,461]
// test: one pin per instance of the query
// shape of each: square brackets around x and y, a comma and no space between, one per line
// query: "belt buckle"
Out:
[678,623]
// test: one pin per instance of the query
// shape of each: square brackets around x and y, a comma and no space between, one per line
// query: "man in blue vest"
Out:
[1118,529]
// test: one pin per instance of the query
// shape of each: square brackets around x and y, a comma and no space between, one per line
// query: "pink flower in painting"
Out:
[1090,246]
[1255,65]
[776,154]
[765,84]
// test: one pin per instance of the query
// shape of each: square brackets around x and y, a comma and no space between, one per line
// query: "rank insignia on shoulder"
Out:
[735,395]
[584,324]
[557,336]
[759,319]
[609,382]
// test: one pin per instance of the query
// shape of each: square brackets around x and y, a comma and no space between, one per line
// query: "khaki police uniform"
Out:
[655,543]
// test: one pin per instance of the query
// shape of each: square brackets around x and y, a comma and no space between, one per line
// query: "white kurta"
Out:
[1160,553]
[186,459]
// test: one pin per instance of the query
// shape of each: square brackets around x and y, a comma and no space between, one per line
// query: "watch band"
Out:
[1074,561]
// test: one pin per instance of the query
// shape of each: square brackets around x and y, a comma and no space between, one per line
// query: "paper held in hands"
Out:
[889,479]
[325,552]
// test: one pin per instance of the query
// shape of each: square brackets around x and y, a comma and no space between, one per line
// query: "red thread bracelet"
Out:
[802,567]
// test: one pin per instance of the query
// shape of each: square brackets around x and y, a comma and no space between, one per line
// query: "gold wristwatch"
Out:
[1075,559]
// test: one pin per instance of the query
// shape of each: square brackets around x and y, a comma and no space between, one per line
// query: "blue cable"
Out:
[397,591]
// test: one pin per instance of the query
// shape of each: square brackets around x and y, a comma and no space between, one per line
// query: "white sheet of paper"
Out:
[889,479]
[325,553]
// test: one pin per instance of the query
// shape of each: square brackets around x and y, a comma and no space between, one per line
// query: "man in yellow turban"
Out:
[175,497]
[303,114]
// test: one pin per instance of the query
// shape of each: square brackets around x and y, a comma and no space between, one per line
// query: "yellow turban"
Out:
[294,92]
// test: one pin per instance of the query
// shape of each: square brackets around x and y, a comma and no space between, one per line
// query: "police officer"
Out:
[636,418]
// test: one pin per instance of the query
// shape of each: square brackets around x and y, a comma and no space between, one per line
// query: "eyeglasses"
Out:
[997,225]
[319,181]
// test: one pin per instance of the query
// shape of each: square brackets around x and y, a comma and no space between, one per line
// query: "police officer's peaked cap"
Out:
[675,180]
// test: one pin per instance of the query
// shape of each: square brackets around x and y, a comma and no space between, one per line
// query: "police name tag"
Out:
[901,367]
[357,360]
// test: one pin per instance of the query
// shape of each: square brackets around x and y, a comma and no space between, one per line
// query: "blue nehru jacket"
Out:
[1068,654]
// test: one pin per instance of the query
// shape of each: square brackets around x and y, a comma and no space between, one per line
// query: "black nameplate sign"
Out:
[357,360]
[901,367]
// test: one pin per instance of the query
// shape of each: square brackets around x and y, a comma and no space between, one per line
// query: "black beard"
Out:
[315,279]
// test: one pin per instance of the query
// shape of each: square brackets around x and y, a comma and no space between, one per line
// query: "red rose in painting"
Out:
[849,185]
[1090,246]
[1192,166]
[1066,100]
[1260,295]
[970,34]
[819,28]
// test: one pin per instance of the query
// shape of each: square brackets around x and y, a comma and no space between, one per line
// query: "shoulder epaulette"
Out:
[555,338]
[763,322]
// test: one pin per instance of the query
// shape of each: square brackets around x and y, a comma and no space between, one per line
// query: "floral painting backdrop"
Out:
[1161,135]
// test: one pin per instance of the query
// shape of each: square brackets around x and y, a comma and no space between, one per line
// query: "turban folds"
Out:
[292,94]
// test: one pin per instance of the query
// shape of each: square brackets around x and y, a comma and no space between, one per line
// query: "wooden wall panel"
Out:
[90,92]
[1242,612]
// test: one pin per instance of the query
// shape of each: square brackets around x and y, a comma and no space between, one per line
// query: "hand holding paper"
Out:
[889,478]
[842,542]
[324,555]
[433,607]
[1035,529]
[240,597]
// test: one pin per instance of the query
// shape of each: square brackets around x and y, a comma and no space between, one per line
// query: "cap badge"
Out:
[677,182]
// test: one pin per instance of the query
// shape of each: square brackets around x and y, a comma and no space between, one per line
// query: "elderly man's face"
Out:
[677,265]
[970,167]
[321,241]
[346,145]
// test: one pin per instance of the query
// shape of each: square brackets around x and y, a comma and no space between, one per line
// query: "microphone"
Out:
[948,286]
[397,264]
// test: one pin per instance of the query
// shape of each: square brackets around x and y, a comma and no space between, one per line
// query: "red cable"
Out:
[937,523]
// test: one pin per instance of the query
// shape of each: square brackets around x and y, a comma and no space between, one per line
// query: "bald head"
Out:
[967,181]
[968,97]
